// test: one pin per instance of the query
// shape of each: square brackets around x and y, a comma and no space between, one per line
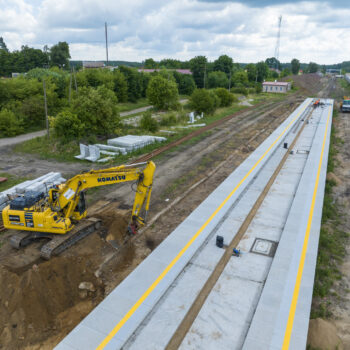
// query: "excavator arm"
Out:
[66,198]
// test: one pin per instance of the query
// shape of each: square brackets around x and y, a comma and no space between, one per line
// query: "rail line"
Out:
[243,112]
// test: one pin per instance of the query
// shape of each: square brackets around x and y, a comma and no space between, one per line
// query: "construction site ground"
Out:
[40,301]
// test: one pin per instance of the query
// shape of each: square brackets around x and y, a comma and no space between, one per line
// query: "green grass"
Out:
[332,240]
[129,106]
[49,149]
[12,180]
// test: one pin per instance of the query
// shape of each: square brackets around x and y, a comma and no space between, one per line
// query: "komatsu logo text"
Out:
[111,178]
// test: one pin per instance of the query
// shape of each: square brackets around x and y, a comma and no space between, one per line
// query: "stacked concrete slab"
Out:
[134,142]
[118,145]
[40,184]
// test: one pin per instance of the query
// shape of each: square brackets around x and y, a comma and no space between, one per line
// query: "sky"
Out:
[138,29]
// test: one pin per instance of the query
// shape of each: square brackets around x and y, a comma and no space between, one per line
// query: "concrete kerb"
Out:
[279,286]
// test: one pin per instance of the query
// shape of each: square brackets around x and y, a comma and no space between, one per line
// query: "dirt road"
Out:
[11,141]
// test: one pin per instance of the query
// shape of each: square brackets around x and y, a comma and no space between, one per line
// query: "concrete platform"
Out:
[144,311]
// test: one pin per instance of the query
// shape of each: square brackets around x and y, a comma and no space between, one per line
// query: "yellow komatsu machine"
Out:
[58,214]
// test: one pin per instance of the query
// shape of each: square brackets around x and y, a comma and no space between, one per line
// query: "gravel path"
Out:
[10,141]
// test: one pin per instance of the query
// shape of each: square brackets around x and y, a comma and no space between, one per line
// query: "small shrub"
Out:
[67,126]
[169,120]
[202,101]
[10,125]
[148,123]
[226,98]
[240,90]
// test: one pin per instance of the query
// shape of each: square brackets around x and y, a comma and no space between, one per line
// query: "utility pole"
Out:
[229,83]
[47,119]
[70,86]
[106,42]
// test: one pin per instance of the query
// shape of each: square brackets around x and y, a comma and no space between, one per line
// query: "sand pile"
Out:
[45,298]
[323,335]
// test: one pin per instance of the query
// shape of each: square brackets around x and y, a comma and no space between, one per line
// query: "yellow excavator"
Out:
[58,214]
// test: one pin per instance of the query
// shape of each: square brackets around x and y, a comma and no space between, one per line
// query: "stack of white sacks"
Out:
[41,184]
[119,145]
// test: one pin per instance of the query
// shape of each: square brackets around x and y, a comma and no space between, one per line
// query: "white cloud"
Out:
[138,29]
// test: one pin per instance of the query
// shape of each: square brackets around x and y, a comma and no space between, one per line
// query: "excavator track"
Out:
[59,243]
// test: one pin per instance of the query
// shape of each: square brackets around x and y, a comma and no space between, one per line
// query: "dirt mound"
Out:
[323,335]
[115,222]
[45,298]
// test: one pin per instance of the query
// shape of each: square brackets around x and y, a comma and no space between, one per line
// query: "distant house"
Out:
[300,72]
[92,64]
[276,86]
[181,71]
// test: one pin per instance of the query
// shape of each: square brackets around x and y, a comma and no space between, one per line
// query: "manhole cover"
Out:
[264,247]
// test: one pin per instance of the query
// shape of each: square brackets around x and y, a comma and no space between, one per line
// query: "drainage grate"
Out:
[264,247]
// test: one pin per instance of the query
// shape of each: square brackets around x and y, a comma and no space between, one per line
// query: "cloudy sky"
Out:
[138,29]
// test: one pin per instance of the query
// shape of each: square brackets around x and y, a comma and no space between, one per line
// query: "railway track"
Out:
[261,107]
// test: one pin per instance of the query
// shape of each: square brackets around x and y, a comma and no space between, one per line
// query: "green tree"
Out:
[148,123]
[162,93]
[120,86]
[185,83]
[3,45]
[285,73]
[226,98]
[150,63]
[312,67]
[135,82]
[198,68]
[170,63]
[240,78]
[202,100]
[273,62]
[224,64]
[217,79]
[295,66]
[97,110]
[67,126]
[10,125]
[59,55]
[251,71]
[262,70]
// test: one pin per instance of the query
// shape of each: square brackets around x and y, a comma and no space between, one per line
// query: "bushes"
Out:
[162,93]
[217,79]
[67,126]
[169,120]
[202,101]
[226,98]
[240,90]
[148,123]
[10,125]
[92,112]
